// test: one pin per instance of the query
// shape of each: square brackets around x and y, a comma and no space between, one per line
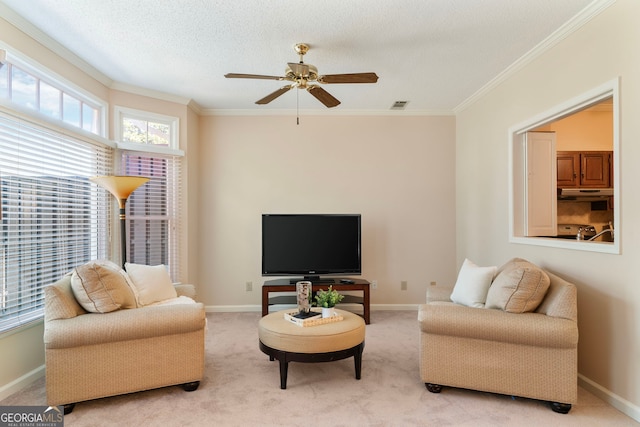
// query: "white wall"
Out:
[608,285]
[395,171]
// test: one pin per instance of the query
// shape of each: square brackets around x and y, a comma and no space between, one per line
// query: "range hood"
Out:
[582,194]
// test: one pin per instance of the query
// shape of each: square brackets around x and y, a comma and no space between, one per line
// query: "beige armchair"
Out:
[94,355]
[532,355]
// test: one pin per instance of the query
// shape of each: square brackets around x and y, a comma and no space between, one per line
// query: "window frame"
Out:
[517,174]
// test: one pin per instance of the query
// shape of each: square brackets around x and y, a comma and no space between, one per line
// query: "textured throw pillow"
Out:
[99,287]
[519,287]
[152,282]
[472,284]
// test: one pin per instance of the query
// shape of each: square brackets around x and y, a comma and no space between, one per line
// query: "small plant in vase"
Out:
[328,300]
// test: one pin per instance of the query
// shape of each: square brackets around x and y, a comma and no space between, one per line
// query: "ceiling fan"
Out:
[304,76]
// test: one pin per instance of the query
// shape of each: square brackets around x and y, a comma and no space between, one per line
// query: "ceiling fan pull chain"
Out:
[298,107]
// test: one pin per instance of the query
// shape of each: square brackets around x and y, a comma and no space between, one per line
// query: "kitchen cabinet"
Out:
[584,169]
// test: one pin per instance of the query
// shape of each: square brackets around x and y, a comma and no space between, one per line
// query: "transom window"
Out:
[142,127]
[27,87]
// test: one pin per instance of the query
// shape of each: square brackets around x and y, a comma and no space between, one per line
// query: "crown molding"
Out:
[307,112]
[571,26]
[137,90]
[30,30]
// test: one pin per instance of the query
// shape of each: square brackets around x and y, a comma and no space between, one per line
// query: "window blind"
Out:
[153,210]
[53,217]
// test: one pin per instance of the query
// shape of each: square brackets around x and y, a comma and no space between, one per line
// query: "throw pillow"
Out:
[472,284]
[152,282]
[519,287]
[100,288]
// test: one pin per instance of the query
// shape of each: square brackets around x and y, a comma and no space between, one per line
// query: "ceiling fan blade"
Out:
[252,76]
[349,78]
[323,96]
[299,69]
[267,99]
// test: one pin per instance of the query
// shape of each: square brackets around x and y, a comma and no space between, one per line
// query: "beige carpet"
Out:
[242,388]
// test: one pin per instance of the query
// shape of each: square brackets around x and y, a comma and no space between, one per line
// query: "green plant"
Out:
[328,298]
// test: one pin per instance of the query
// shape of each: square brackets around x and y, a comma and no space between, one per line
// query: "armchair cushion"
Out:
[100,287]
[519,287]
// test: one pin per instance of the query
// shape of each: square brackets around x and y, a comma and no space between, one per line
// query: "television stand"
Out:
[286,285]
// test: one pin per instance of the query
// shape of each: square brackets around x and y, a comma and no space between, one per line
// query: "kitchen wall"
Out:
[396,171]
[588,130]
[608,285]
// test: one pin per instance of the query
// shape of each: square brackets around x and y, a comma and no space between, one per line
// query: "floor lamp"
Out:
[121,187]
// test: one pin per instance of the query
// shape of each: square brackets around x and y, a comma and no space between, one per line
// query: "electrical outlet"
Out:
[248,286]
[403,285]
[432,283]
[374,284]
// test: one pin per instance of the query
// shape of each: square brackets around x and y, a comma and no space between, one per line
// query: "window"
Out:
[141,127]
[53,218]
[153,211]
[607,94]
[31,88]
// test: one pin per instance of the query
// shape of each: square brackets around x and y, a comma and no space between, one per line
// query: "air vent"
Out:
[399,105]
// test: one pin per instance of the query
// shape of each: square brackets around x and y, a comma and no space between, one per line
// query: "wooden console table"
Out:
[285,285]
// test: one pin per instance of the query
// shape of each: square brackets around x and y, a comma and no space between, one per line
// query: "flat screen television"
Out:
[311,245]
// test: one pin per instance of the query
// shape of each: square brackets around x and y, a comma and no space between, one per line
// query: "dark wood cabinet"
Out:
[584,169]
[568,168]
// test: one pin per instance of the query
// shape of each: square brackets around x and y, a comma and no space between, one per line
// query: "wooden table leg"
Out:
[284,368]
[357,358]
[366,303]
[265,301]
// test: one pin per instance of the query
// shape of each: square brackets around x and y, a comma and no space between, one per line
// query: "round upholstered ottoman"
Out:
[287,342]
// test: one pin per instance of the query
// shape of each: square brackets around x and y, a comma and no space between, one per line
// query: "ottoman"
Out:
[287,342]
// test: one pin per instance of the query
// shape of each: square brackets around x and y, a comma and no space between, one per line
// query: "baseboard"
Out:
[394,307]
[612,399]
[258,308]
[22,382]
[231,308]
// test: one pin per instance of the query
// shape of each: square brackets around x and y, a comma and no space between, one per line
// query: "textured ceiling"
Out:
[433,53]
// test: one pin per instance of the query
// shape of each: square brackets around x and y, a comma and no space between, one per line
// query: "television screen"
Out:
[310,245]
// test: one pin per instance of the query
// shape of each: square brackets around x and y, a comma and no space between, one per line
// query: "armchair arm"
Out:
[185,290]
[534,329]
[439,293]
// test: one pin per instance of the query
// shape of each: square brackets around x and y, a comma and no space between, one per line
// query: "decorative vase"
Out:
[328,312]
[304,292]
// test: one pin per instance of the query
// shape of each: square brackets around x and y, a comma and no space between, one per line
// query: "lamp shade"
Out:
[120,186]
